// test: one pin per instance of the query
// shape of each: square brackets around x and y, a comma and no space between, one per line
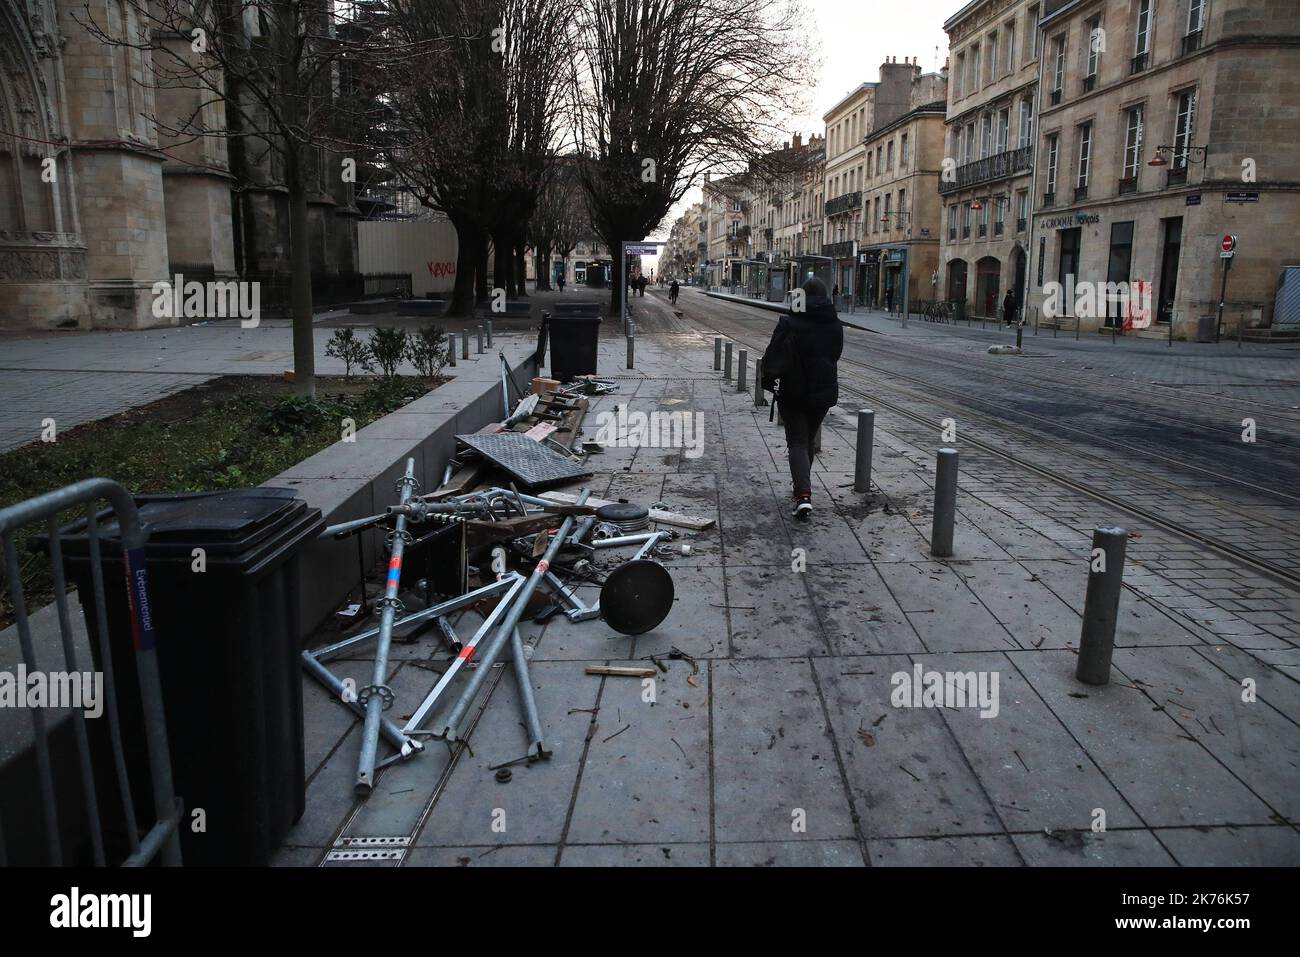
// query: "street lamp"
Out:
[1159,160]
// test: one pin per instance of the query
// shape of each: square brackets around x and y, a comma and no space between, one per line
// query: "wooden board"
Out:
[656,515]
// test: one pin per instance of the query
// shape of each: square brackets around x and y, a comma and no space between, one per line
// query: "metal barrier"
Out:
[162,840]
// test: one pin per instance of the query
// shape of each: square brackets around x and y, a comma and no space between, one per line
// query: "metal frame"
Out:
[162,840]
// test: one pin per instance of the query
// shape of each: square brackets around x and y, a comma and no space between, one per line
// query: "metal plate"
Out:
[636,596]
[530,462]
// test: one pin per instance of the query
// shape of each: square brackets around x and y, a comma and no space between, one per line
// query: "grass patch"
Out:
[233,432]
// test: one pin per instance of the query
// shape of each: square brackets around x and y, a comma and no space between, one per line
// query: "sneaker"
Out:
[802,506]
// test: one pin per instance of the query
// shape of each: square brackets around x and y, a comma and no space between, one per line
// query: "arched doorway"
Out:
[988,277]
[957,280]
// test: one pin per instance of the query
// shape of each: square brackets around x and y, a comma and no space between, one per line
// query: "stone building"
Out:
[1163,126]
[726,209]
[847,122]
[97,203]
[900,196]
[992,84]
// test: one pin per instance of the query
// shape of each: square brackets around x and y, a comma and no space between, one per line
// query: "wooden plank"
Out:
[656,515]
[615,671]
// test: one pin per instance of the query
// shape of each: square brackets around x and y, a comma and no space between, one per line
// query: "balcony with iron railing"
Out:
[997,166]
[1192,42]
[844,204]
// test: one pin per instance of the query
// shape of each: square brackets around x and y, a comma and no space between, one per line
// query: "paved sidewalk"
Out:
[788,747]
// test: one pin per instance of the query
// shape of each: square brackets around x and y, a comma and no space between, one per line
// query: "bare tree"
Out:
[260,75]
[665,90]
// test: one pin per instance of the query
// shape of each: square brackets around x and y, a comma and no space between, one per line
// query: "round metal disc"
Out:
[622,512]
[636,596]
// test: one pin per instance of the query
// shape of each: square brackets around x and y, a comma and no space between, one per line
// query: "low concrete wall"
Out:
[354,479]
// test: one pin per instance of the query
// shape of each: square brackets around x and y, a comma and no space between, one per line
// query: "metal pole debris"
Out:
[377,696]
[741,362]
[866,439]
[945,503]
[1101,604]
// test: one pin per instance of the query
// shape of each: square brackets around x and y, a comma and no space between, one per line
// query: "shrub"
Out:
[427,350]
[388,347]
[345,345]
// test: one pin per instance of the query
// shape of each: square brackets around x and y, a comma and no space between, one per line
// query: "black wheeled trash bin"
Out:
[223,583]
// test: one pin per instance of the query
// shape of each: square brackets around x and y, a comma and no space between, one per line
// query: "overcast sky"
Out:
[856,37]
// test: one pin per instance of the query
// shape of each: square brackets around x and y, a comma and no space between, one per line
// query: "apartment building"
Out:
[1163,126]
[986,182]
[727,230]
[901,200]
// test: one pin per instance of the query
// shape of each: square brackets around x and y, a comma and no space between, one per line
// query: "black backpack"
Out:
[782,366]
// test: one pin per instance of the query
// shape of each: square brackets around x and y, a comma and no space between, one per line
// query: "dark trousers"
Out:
[801,425]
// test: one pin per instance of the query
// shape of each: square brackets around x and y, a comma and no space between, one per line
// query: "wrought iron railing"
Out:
[997,166]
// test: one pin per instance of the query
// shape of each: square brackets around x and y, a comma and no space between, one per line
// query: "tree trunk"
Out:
[462,294]
[503,264]
[521,261]
[481,288]
[304,347]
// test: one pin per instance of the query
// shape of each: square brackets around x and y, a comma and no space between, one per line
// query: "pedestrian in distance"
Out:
[1009,308]
[560,282]
[801,367]
[673,290]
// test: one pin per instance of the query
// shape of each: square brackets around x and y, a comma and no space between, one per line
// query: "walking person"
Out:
[800,366]
[673,289]
[1009,308]
[560,281]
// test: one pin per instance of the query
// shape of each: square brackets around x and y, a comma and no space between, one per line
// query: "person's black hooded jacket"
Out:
[818,341]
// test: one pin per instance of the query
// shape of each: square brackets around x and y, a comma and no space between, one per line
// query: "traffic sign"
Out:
[1229,243]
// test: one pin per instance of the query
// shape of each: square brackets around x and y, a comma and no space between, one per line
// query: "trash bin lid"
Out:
[636,596]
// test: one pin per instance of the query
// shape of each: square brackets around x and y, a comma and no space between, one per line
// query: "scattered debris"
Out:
[620,671]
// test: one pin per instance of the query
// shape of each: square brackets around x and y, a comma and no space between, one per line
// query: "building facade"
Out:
[986,183]
[1164,125]
[847,123]
[901,198]
[97,203]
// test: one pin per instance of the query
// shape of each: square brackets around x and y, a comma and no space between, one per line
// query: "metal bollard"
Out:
[740,370]
[1101,604]
[480,338]
[488,324]
[866,439]
[631,342]
[717,353]
[464,344]
[726,362]
[758,383]
[451,348]
[945,503]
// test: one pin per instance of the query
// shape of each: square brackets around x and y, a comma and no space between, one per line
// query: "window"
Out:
[1004,124]
[986,136]
[999,218]
[1095,42]
[902,152]
[959,77]
[869,158]
[1183,123]
[1142,38]
[1085,157]
[902,200]
[735,205]
[889,155]
[1022,210]
[1026,120]
[975,66]
[965,221]
[952,221]
[956,144]
[888,198]
[879,152]
[1031,25]
[1132,145]
[970,141]
[1010,30]
[1195,23]
[1049,192]
[1058,71]
[984,217]
[993,55]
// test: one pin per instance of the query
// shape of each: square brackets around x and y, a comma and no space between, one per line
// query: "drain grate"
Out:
[528,461]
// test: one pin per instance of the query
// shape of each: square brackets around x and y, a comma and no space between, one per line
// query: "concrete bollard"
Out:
[740,370]
[631,346]
[480,338]
[726,362]
[1101,604]
[866,439]
[717,353]
[945,503]
[464,344]
[451,348]
[488,325]
[758,384]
